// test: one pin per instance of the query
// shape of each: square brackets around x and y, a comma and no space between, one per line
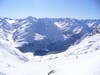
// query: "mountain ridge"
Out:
[81,58]
[48,34]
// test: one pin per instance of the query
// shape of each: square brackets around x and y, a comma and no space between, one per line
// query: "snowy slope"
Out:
[69,62]
[5,29]
[79,59]
[89,44]
[9,57]
[7,49]
[83,65]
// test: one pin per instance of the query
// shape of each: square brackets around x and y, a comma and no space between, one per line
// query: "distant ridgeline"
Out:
[46,35]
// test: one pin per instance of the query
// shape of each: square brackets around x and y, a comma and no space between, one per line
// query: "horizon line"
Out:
[50,18]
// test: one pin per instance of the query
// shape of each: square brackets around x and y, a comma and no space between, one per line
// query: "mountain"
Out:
[45,35]
[78,39]
[78,59]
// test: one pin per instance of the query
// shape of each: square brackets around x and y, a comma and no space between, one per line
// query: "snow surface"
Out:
[9,57]
[77,30]
[11,21]
[80,59]
[38,36]
[89,44]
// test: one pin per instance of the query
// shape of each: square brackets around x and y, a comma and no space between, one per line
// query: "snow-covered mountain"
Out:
[45,34]
[79,59]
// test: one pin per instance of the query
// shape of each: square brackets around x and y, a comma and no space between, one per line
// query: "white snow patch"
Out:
[65,37]
[58,25]
[38,36]
[11,21]
[77,30]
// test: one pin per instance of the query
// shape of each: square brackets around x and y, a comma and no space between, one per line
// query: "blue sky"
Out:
[81,9]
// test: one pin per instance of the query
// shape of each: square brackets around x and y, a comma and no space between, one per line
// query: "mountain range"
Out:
[45,35]
[49,46]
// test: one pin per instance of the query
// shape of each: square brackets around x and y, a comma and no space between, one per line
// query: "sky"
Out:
[80,9]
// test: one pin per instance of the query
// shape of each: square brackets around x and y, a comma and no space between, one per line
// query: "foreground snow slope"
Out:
[83,65]
[9,57]
[81,59]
